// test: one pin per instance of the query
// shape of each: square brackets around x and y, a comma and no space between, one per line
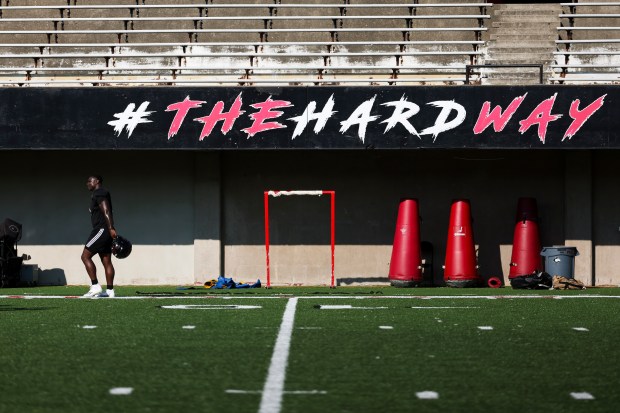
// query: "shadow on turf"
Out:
[6,307]
[349,282]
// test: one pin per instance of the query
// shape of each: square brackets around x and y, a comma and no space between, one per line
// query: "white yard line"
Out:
[271,402]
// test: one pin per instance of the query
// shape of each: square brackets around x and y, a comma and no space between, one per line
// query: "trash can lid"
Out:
[559,250]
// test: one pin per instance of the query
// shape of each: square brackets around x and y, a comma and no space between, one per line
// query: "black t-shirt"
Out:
[96,214]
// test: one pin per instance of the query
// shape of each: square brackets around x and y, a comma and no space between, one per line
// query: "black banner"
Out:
[310,117]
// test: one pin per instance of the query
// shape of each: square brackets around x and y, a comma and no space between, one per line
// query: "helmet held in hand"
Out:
[121,247]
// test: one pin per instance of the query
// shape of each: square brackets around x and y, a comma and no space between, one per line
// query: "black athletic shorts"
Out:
[99,241]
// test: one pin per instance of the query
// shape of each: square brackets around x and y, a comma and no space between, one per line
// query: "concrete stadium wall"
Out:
[606,220]
[152,195]
[195,215]
[368,188]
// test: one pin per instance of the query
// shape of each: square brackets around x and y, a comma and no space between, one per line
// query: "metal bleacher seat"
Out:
[239,42]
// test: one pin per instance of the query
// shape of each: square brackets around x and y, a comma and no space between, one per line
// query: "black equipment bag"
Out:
[10,263]
[534,281]
[10,231]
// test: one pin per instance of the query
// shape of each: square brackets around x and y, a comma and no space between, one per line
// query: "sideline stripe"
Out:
[271,401]
[321,297]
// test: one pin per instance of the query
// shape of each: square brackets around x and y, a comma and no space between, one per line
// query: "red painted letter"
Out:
[182,108]
[496,117]
[264,113]
[216,114]
[541,116]
[581,116]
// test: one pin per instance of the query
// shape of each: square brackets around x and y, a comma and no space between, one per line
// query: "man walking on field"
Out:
[100,239]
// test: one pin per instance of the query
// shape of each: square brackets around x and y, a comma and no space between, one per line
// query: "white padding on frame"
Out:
[287,193]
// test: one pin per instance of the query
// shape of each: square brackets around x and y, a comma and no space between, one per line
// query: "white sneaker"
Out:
[94,290]
[106,294]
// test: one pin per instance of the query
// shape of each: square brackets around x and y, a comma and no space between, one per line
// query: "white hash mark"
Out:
[347,307]
[485,328]
[427,395]
[130,119]
[336,307]
[386,327]
[189,327]
[580,329]
[121,391]
[582,396]
[210,307]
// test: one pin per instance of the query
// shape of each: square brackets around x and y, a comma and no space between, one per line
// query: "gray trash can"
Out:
[560,260]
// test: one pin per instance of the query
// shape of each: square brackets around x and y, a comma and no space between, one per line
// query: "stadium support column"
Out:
[578,211]
[207,216]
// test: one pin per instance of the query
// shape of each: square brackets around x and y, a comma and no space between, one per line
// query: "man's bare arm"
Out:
[107,213]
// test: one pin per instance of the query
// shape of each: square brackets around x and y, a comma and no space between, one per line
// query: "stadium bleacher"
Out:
[588,43]
[241,42]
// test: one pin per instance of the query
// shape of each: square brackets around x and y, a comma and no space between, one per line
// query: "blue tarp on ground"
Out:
[223,283]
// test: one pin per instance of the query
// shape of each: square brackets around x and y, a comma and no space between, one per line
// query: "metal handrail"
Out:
[191,30]
[569,28]
[588,53]
[611,3]
[236,81]
[244,67]
[583,65]
[468,69]
[236,55]
[237,18]
[588,15]
[585,79]
[582,41]
[256,43]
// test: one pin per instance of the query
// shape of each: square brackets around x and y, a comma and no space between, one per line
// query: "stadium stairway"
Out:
[521,34]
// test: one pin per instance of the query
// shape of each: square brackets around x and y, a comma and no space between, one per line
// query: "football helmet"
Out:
[121,247]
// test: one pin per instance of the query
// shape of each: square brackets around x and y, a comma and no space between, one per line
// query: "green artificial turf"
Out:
[530,361]
[50,362]
[368,359]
